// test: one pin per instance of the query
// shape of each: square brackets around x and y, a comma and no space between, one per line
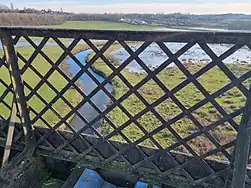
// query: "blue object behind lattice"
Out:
[91,179]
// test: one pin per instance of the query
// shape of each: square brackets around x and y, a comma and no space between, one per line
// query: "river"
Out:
[153,56]
[101,100]
[25,43]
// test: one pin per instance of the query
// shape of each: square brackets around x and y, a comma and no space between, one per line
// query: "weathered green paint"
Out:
[167,170]
[242,147]
[29,173]
[18,87]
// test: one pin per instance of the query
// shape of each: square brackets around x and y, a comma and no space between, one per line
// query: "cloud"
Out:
[150,8]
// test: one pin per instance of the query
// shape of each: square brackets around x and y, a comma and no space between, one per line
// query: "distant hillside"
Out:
[224,21]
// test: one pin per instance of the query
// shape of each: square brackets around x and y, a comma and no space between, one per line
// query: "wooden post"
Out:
[18,88]
[242,147]
[11,129]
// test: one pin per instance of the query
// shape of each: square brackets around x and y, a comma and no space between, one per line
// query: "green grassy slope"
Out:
[45,91]
[102,25]
[213,80]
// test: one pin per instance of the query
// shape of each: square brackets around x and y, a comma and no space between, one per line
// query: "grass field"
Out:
[96,25]
[45,91]
[213,80]
[102,25]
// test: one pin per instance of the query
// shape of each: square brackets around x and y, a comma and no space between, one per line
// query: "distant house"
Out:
[122,20]
[134,21]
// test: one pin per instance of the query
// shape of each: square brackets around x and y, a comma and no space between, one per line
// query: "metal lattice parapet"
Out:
[177,163]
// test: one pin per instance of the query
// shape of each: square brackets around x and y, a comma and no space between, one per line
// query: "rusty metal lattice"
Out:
[163,164]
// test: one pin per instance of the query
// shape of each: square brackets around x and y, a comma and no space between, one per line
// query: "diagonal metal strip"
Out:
[33,92]
[53,88]
[182,114]
[201,88]
[187,163]
[108,44]
[34,54]
[3,62]
[110,96]
[138,51]
[108,93]
[204,101]
[142,64]
[88,73]
[177,52]
[204,92]
[140,97]
[194,135]
[113,99]
[223,67]
[129,86]
[77,76]
[3,96]
[212,176]
[216,61]
[50,145]
[15,39]
[126,112]
[206,129]
[53,110]
[52,69]
[62,97]
[6,92]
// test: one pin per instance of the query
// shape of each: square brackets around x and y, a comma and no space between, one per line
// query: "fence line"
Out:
[177,162]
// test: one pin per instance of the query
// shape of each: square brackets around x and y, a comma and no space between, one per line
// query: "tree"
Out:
[30,19]
[4,7]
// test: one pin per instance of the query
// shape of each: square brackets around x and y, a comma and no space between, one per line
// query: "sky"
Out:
[141,6]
